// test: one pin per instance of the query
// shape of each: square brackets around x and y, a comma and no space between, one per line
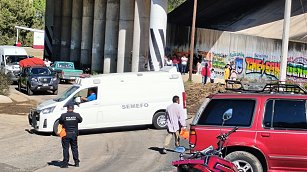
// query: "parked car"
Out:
[272,128]
[9,60]
[38,78]
[66,70]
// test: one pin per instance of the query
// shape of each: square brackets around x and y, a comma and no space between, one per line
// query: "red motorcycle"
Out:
[207,160]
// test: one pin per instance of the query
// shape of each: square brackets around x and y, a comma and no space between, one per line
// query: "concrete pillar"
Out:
[140,35]
[49,17]
[111,36]
[158,23]
[99,35]
[56,42]
[125,37]
[87,32]
[76,30]
[66,28]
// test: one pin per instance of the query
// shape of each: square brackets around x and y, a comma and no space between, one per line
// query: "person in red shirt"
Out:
[205,72]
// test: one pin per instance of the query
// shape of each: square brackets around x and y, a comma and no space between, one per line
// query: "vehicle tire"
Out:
[159,120]
[55,92]
[245,161]
[19,86]
[55,127]
[29,91]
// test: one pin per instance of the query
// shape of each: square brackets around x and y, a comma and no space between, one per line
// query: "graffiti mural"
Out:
[297,68]
[262,67]
[239,65]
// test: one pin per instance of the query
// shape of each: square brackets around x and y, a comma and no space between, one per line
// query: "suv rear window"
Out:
[242,115]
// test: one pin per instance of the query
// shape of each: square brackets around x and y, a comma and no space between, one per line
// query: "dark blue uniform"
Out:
[70,122]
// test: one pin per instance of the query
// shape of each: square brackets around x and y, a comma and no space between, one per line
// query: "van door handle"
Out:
[265,134]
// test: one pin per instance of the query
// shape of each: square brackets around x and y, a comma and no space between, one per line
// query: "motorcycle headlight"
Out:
[34,79]
[48,110]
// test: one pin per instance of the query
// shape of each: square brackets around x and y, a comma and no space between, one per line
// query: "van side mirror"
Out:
[77,100]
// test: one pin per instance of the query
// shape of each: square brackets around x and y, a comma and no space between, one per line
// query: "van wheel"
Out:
[245,162]
[29,91]
[55,127]
[159,120]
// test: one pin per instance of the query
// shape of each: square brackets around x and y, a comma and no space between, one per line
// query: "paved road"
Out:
[129,149]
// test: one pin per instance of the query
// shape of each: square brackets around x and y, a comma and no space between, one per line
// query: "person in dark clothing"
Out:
[70,122]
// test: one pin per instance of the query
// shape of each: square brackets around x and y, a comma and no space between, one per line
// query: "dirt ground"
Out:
[17,108]
[197,92]
[34,52]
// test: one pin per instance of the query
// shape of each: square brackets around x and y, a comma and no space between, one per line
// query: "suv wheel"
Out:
[159,120]
[29,91]
[245,162]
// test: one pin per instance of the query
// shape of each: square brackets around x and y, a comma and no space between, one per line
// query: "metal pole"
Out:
[17,36]
[285,42]
[192,40]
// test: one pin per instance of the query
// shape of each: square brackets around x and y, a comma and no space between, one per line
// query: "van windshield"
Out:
[66,93]
[14,60]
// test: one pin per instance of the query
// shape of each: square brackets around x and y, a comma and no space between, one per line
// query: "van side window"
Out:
[88,94]
[242,114]
[287,114]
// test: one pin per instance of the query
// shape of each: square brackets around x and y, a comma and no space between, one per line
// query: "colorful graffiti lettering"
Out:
[218,61]
[297,70]
[239,65]
[254,65]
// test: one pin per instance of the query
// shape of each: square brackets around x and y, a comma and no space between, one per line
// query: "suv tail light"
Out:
[184,97]
[192,140]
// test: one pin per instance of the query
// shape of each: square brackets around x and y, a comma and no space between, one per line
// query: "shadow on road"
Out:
[98,131]
[160,150]
[57,163]
[39,93]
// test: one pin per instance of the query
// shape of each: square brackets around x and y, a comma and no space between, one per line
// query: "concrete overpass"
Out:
[107,35]
[251,17]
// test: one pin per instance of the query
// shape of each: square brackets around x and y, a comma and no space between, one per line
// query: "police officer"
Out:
[70,122]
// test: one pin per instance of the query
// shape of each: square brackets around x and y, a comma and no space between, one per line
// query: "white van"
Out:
[124,99]
[9,60]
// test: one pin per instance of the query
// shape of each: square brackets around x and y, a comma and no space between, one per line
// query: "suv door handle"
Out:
[265,134]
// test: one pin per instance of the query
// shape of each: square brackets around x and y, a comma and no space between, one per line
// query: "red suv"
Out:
[272,129]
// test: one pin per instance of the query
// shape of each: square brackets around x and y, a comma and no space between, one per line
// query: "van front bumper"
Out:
[39,123]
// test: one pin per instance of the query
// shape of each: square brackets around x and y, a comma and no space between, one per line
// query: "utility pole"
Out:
[285,42]
[192,40]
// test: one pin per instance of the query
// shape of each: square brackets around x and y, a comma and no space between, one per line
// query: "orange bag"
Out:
[184,133]
[61,131]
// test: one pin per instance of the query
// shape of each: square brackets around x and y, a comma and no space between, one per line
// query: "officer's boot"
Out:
[77,163]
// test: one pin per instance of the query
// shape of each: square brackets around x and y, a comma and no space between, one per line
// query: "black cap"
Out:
[70,106]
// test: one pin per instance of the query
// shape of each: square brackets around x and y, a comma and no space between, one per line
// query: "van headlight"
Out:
[48,110]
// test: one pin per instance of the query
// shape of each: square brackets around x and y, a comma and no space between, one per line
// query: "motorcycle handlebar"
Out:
[224,136]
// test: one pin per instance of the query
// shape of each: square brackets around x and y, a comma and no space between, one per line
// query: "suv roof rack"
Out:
[277,87]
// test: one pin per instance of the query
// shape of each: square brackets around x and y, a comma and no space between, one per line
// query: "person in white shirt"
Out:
[169,62]
[47,62]
[184,63]
[212,76]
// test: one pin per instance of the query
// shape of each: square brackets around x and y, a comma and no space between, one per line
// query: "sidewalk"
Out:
[196,78]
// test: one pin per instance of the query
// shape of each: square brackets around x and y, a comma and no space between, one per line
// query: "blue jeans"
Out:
[204,79]
[183,68]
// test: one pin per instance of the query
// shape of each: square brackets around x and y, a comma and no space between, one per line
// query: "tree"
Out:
[27,13]
[172,4]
